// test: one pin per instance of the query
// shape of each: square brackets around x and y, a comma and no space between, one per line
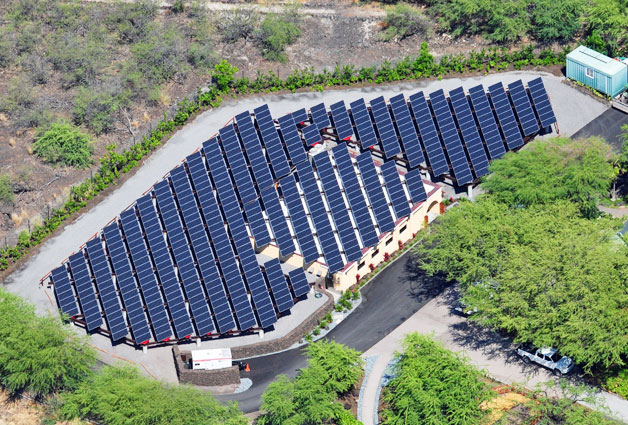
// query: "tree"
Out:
[119,395]
[434,386]
[342,365]
[549,170]
[62,143]
[556,20]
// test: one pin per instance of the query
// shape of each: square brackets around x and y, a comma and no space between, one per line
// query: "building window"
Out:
[589,72]
[403,228]
[360,265]
[375,253]
[389,241]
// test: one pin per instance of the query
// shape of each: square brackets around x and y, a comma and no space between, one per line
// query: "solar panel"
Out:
[106,290]
[385,127]
[505,116]
[523,108]
[407,131]
[319,116]
[395,189]
[202,249]
[429,135]
[486,119]
[292,198]
[183,258]
[271,140]
[319,217]
[298,281]
[63,291]
[363,124]
[414,182]
[165,268]
[300,116]
[145,275]
[85,291]
[128,288]
[342,122]
[237,226]
[469,131]
[541,102]
[449,133]
[359,209]
[312,135]
[292,138]
[375,192]
[244,184]
[253,149]
[278,222]
[277,281]
[338,207]
[222,244]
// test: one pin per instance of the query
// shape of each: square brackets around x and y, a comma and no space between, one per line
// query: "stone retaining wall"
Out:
[205,378]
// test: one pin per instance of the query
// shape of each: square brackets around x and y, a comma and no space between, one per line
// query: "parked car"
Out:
[549,357]
[463,309]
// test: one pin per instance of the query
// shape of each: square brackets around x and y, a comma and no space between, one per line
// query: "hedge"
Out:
[410,68]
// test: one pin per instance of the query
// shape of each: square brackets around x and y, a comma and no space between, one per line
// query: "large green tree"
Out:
[434,386]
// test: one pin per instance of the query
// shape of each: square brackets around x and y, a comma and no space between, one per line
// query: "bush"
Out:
[40,355]
[19,96]
[240,24]
[276,33]
[79,58]
[402,21]
[62,143]
[132,20]
[6,190]
[120,395]
[201,56]
[97,108]
[39,69]
[161,56]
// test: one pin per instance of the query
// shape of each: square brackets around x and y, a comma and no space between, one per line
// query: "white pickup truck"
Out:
[548,357]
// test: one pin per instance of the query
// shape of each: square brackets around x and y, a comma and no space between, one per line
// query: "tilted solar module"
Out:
[237,226]
[145,275]
[271,140]
[429,135]
[292,138]
[85,291]
[449,133]
[319,116]
[312,135]
[486,119]
[279,285]
[395,189]
[342,122]
[253,149]
[128,287]
[541,102]
[469,131]
[298,281]
[523,108]
[183,258]
[415,186]
[319,217]
[278,221]
[300,116]
[165,267]
[407,131]
[338,207]
[363,124]
[292,198]
[231,273]
[63,291]
[359,209]
[385,127]
[505,116]
[375,192]
[106,290]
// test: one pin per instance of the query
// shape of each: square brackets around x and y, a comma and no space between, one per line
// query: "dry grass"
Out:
[23,412]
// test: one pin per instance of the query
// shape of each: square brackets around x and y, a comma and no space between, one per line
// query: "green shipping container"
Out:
[596,70]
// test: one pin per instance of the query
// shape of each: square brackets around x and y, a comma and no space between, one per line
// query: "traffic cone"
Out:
[247,368]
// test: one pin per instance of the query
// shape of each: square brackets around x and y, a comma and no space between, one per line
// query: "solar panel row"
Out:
[320,116]
[395,189]
[385,128]
[407,131]
[342,122]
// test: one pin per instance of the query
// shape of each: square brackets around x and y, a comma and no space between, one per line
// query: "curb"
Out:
[368,367]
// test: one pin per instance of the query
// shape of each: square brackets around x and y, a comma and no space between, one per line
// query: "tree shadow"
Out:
[422,285]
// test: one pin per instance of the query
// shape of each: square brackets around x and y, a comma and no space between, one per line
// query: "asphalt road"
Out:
[607,125]
[391,298]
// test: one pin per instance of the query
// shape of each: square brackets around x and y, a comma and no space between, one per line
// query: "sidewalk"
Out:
[485,349]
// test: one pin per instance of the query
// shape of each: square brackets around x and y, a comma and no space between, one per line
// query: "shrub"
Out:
[62,143]
[97,108]
[276,33]
[402,21]
[6,190]
[132,20]
[80,59]
[223,75]
[161,56]
[178,6]
[201,56]
[19,96]
[39,69]
[239,24]
[121,395]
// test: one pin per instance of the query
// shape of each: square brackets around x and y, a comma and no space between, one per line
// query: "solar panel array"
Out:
[181,261]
